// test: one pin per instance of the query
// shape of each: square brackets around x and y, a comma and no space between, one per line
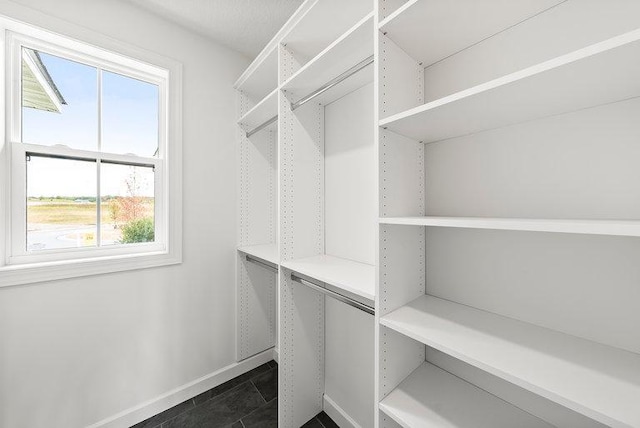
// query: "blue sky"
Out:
[129,125]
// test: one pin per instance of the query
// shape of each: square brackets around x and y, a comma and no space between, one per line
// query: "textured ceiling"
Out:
[243,25]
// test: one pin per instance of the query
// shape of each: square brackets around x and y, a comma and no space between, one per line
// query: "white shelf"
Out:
[348,50]
[353,277]
[598,381]
[599,74]
[450,27]
[588,227]
[268,252]
[266,109]
[261,77]
[433,398]
[325,21]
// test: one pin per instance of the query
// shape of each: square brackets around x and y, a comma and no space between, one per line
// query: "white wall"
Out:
[77,351]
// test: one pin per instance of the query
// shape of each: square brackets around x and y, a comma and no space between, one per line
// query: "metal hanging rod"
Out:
[265,264]
[350,72]
[344,299]
[262,126]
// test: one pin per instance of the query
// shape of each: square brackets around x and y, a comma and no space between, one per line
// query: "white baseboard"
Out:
[276,355]
[338,415]
[176,396]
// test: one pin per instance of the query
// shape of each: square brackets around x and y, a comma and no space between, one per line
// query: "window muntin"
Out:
[131,91]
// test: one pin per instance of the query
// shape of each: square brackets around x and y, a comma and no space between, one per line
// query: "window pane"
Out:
[59,101]
[61,203]
[129,115]
[127,195]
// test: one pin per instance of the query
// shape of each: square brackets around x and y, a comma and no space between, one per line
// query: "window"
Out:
[90,136]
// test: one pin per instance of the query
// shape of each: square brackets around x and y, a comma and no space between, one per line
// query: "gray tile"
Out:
[313,423]
[267,384]
[158,419]
[272,364]
[220,411]
[326,421]
[265,417]
[237,425]
[221,389]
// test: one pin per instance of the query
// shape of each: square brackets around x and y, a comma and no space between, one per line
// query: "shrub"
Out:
[140,230]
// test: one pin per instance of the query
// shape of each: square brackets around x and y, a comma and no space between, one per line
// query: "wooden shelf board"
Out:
[261,112]
[451,27]
[598,381]
[353,277]
[268,252]
[588,227]
[324,22]
[261,78]
[602,73]
[433,398]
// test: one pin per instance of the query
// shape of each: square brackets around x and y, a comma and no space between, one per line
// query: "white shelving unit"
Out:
[351,48]
[453,404]
[262,112]
[599,74]
[507,214]
[596,380]
[345,276]
[499,142]
[257,256]
[307,211]
[417,20]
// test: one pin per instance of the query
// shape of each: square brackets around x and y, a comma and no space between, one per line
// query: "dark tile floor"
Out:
[247,401]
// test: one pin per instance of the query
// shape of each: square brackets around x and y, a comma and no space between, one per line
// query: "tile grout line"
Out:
[206,401]
[259,393]
[193,402]
[255,410]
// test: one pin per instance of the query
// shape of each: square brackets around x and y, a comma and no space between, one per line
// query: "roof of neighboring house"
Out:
[39,91]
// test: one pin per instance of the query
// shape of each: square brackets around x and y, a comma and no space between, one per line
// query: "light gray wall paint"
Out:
[77,351]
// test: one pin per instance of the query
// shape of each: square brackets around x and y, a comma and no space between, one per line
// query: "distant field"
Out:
[66,211]
[63,213]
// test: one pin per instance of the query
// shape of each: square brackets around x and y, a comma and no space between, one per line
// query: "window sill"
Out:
[13,275]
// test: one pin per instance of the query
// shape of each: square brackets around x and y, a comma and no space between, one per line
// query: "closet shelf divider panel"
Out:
[602,73]
[579,226]
[598,381]
[433,398]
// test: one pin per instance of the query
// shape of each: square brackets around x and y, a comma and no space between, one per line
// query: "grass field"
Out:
[69,212]
[64,213]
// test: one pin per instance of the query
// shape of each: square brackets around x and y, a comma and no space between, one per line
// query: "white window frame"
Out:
[17,264]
